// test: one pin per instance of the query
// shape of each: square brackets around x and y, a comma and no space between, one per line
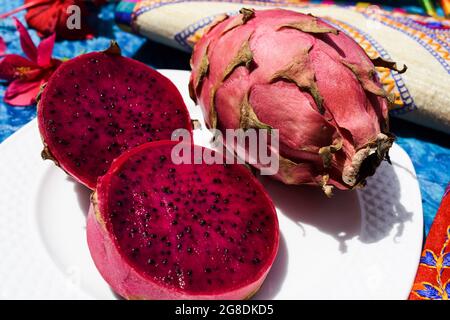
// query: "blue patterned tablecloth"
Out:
[429,150]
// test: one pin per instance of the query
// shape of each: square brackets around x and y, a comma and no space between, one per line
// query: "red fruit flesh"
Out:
[98,105]
[192,231]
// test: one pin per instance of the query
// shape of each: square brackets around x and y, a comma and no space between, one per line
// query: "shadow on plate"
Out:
[369,214]
[273,283]
[380,203]
[83,195]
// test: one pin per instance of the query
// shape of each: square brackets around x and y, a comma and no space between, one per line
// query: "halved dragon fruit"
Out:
[98,105]
[157,230]
[280,69]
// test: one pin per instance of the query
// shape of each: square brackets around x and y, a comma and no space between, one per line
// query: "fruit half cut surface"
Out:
[158,230]
[100,104]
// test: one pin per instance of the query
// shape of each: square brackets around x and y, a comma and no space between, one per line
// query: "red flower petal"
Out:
[10,63]
[28,46]
[43,17]
[51,17]
[45,50]
[22,93]
[2,46]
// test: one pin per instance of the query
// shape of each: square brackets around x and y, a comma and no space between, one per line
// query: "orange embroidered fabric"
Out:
[433,276]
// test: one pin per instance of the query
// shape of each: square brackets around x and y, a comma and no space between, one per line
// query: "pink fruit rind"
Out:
[125,273]
[100,104]
[131,284]
[302,76]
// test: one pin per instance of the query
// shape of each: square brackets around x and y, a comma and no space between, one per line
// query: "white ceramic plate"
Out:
[358,245]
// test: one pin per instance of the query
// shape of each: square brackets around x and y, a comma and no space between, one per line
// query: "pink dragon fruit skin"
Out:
[157,230]
[293,72]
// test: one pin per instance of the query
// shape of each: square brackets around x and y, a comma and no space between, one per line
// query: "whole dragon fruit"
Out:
[159,230]
[100,104]
[279,69]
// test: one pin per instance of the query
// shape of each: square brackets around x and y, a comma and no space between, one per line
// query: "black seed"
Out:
[217,181]
[206,234]
[179,246]
[119,203]
[149,243]
[189,273]
[202,222]
[151,261]
[208,270]
[174,222]
[189,250]
[168,244]
[256,261]
[162,158]
[164,261]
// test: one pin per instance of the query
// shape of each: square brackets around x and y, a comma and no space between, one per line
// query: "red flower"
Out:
[2,46]
[26,75]
[51,16]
